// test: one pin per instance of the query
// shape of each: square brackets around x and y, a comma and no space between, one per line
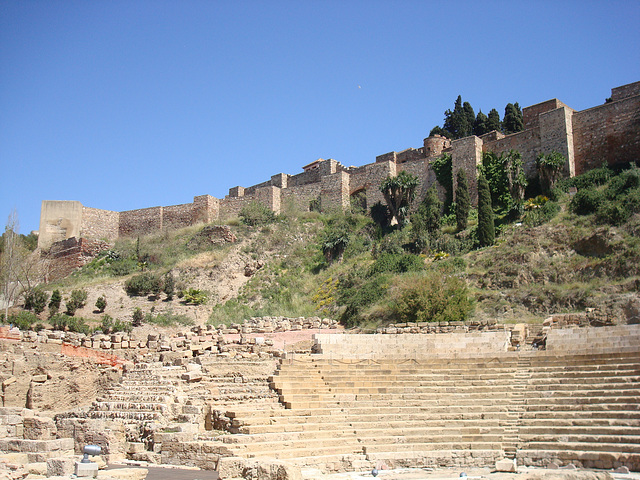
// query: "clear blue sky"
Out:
[132,104]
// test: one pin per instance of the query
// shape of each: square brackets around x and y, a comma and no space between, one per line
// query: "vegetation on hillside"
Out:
[518,257]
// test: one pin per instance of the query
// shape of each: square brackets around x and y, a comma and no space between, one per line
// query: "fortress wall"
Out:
[467,154]
[335,192]
[140,222]
[59,220]
[526,142]
[206,209]
[230,206]
[531,114]
[98,223]
[177,216]
[556,135]
[304,178]
[609,133]
[300,196]
[370,177]
[410,155]
[269,196]
[418,168]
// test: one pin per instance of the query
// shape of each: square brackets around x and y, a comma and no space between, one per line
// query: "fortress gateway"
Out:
[608,133]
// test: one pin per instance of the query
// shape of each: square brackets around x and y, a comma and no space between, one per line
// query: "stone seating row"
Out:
[522,404]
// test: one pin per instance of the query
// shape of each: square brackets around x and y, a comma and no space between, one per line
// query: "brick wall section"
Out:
[607,134]
[206,209]
[625,91]
[467,154]
[269,196]
[419,168]
[334,193]
[299,197]
[177,216]
[140,222]
[530,114]
[98,223]
[556,135]
[369,178]
[526,142]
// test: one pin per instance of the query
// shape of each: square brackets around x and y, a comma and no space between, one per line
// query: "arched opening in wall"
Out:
[359,201]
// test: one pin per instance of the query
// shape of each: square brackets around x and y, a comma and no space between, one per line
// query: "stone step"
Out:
[595,430]
[126,415]
[580,438]
[586,458]
[129,407]
[562,446]
[429,446]
[434,458]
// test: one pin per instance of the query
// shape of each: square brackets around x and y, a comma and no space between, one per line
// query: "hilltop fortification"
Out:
[608,133]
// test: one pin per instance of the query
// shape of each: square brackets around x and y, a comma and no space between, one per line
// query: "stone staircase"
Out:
[142,395]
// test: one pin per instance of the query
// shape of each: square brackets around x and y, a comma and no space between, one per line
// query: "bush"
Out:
[77,300]
[431,298]
[138,316]
[541,213]
[396,263]
[256,213]
[355,296]
[54,303]
[36,299]
[195,296]
[586,201]
[101,303]
[590,179]
[63,322]
[143,284]
[23,320]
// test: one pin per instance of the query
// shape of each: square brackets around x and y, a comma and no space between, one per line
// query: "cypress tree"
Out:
[512,122]
[486,227]
[493,122]
[470,118]
[463,203]
[480,124]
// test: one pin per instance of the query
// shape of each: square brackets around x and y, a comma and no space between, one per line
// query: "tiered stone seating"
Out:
[582,409]
[453,408]
[141,395]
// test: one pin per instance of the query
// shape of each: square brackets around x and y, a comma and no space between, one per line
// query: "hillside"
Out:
[556,256]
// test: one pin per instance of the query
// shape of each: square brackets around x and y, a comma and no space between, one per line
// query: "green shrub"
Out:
[195,297]
[592,178]
[63,322]
[101,303]
[256,213]
[355,296]
[77,300]
[541,213]
[54,303]
[396,263]
[36,300]
[431,298]
[138,316]
[23,320]
[586,201]
[143,284]
[169,286]
[122,267]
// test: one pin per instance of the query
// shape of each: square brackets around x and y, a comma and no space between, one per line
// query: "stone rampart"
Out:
[608,133]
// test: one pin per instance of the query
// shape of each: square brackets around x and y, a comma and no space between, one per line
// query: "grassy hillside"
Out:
[563,254]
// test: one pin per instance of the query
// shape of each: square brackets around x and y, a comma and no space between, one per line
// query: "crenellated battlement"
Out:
[608,133]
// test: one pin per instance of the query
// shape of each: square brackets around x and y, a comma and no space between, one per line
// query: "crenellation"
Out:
[608,133]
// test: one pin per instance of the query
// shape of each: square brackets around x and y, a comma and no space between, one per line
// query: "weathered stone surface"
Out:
[57,467]
[506,465]
[124,474]
[231,467]
[39,428]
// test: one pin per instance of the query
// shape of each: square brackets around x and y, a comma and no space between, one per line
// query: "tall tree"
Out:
[512,122]
[399,192]
[493,121]
[10,261]
[486,226]
[457,121]
[550,168]
[427,218]
[480,124]
[463,202]
[470,118]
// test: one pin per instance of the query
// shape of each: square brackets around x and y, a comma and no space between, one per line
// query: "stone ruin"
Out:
[465,398]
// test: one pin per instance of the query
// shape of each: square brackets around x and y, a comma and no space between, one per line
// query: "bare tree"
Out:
[9,262]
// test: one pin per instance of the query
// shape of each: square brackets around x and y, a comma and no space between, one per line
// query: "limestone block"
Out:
[39,428]
[506,465]
[271,469]
[38,468]
[230,467]
[89,469]
[57,467]
[39,378]
[135,447]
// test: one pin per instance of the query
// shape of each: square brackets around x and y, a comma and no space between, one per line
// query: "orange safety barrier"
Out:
[97,356]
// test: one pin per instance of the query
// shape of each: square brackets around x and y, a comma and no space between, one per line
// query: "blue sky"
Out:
[132,104]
